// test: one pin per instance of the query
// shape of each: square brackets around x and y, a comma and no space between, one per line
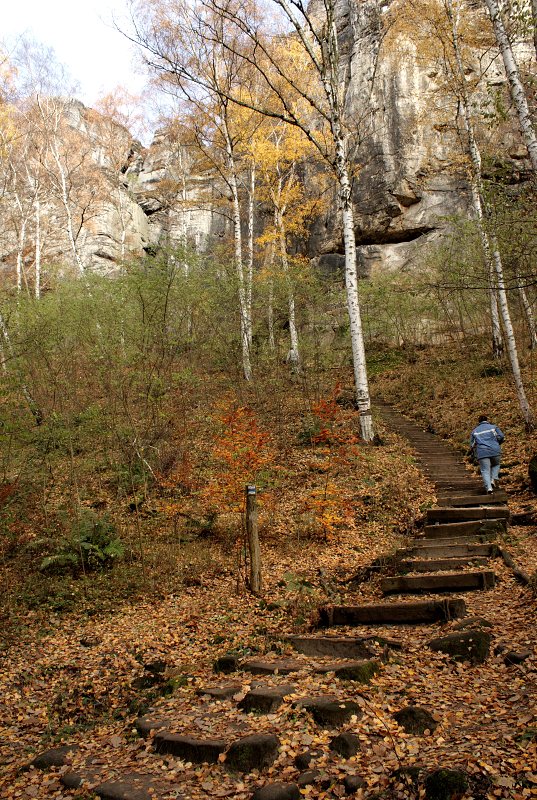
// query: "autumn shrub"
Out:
[92,544]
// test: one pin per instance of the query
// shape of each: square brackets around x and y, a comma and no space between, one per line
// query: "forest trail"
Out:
[396,684]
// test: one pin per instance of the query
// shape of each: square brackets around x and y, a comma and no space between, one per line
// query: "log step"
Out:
[433,550]
[442,564]
[471,538]
[335,646]
[409,613]
[444,531]
[477,499]
[448,514]
[455,582]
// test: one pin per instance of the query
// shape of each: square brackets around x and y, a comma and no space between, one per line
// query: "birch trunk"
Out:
[530,318]
[269,263]
[353,304]
[64,194]
[237,238]
[512,71]
[37,252]
[489,240]
[534,24]
[293,356]
[250,253]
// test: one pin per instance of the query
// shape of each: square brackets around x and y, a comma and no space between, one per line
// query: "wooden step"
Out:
[454,582]
[434,550]
[409,613]
[442,564]
[464,500]
[448,514]
[335,646]
[471,538]
[455,529]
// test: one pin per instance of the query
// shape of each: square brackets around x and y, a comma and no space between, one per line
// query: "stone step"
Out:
[434,550]
[334,646]
[442,564]
[409,613]
[448,514]
[446,530]
[454,582]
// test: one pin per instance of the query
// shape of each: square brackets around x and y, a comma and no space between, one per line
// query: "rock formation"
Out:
[404,141]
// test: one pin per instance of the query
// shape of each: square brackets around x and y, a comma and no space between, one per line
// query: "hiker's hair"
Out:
[483,418]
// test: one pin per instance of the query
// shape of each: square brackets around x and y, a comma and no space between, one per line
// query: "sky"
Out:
[81,32]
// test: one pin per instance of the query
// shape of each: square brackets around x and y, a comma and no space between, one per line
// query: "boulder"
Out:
[446,784]
[469,645]
[277,791]
[252,752]
[352,783]
[308,778]
[187,748]
[329,713]
[346,744]
[304,759]
[227,663]
[415,720]
[55,757]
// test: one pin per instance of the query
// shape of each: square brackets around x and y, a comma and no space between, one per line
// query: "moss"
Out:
[361,673]
[445,784]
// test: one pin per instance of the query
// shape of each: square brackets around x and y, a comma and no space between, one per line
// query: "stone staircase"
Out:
[451,556]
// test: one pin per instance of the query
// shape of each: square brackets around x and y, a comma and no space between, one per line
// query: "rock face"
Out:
[404,141]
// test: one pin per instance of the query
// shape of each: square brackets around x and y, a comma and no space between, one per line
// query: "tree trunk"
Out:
[253,540]
[37,253]
[293,356]
[518,93]
[534,24]
[237,238]
[353,305]
[528,313]
[250,253]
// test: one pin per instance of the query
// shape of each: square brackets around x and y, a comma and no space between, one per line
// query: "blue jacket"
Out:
[486,439]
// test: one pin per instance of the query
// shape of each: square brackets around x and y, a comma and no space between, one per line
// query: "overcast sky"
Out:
[82,35]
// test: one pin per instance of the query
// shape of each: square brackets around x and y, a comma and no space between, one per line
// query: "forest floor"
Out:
[75,674]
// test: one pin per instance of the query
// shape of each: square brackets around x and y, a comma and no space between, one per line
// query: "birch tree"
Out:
[489,240]
[312,99]
[207,75]
[518,93]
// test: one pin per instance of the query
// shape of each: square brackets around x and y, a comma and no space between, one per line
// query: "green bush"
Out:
[93,544]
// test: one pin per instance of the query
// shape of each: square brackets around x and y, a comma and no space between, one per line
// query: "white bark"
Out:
[512,71]
[250,252]
[37,252]
[293,356]
[534,24]
[237,239]
[530,318]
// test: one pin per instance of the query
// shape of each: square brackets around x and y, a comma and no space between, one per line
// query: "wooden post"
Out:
[253,539]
